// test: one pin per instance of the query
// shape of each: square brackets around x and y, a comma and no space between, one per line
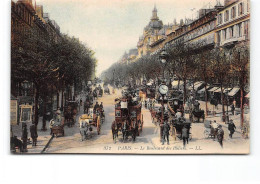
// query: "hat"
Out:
[58,112]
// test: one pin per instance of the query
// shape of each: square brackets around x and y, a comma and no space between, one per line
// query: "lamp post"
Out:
[163,88]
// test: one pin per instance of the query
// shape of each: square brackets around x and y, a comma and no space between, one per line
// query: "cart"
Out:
[58,130]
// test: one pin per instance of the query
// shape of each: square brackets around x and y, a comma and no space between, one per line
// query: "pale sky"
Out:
[111,27]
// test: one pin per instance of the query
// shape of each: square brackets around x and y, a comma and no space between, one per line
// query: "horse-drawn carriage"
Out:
[106,90]
[197,113]
[175,104]
[88,121]
[177,125]
[128,118]
[70,112]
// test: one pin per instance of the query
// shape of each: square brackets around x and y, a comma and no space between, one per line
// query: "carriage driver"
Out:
[101,105]
[96,106]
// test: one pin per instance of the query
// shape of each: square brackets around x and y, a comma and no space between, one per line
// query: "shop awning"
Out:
[203,90]
[248,95]
[233,92]
[175,84]
[213,89]
[224,90]
[197,85]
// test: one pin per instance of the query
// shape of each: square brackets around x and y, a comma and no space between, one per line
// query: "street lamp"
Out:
[163,88]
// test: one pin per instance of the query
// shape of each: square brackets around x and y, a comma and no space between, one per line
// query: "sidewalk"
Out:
[42,140]
[218,116]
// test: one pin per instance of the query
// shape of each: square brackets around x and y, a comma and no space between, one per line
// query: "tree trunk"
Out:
[242,106]
[44,112]
[62,96]
[178,83]
[184,91]
[222,101]
[206,99]
[36,104]
[58,99]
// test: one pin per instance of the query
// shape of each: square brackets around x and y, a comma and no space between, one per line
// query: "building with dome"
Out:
[155,31]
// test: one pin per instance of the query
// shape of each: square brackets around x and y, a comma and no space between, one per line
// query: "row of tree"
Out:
[229,67]
[50,65]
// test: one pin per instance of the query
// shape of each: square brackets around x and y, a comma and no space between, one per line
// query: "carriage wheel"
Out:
[142,122]
[206,134]
[174,133]
[190,136]
[98,125]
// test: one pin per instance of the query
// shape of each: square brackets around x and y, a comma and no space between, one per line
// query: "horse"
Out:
[114,129]
[94,94]
[125,130]
[83,129]
[134,129]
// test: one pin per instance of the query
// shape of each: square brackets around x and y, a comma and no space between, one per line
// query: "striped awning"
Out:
[233,92]
[213,89]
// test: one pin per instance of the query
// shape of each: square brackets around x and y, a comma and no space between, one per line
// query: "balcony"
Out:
[231,41]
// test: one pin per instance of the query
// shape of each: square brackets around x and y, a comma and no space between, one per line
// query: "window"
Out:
[224,34]
[227,15]
[240,9]
[248,8]
[233,12]
[246,32]
[220,18]
[240,30]
[231,32]
[218,37]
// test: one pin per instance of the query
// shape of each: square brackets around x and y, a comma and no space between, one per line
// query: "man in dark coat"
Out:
[166,129]
[233,109]
[185,135]
[24,136]
[231,128]
[34,134]
[220,135]
[96,106]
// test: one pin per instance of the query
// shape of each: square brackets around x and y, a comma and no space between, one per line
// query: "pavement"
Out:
[43,136]
[148,142]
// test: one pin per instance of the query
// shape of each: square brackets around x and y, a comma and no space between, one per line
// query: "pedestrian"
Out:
[166,129]
[220,135]
[214,126]
[233,109]
[34,135]
[185,135]
[231,128]
[52,122]
[80,101]
[24,137]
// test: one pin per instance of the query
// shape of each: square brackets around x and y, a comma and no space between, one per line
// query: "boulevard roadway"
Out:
[147,143]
